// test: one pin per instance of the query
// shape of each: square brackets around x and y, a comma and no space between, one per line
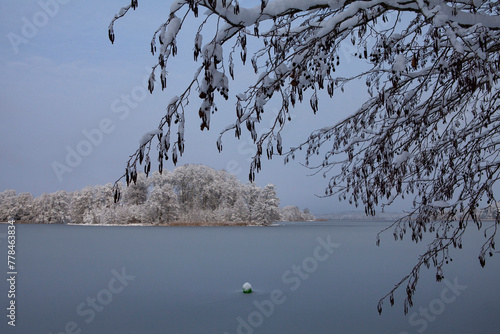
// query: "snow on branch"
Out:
[429,131]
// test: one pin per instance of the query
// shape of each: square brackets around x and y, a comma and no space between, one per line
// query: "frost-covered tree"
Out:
[53,208]
[101,215]
[82,201]
[201,190]
[251,193]
[240,212]
[103,195]
[293,213]
[307,214]
[161,206]
[268,205]
[429,129]
[86,204]
[7,202]
[290,213]
[130,214]
[17,207]
[23,209]
[137,192]
[224,190]
[187,189]
[262,205]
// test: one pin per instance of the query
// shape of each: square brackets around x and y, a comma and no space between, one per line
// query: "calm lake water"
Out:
[307,278]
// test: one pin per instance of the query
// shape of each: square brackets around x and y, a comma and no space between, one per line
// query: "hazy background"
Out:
[61,77]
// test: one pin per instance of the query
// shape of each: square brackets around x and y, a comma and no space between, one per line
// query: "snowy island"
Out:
[190,195]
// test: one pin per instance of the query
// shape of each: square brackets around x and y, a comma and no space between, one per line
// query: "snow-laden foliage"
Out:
[53,208]
[189,194]
[7,201]
[86,202]
[161,205]
[292,213]
[428,131]
[137,192]
[269,203]
[13,206]
[207,195]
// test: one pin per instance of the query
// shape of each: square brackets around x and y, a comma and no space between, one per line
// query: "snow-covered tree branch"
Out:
[429,130]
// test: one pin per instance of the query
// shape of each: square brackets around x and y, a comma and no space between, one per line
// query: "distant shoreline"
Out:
[207,224]
[171,224]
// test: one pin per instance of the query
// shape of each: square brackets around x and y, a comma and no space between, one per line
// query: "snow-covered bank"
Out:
[177,223]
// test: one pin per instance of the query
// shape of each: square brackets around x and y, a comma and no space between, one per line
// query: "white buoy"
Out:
[247,288]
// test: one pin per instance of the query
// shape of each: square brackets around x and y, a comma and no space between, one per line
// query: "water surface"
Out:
[315,277]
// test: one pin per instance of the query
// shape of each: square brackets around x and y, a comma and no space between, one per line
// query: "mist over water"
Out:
[314,277]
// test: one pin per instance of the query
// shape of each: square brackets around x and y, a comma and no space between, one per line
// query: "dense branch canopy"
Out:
[430,129]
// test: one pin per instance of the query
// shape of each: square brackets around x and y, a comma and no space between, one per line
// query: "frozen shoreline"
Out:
[173,224]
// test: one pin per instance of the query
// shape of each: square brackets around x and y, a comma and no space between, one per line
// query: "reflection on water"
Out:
[313,277]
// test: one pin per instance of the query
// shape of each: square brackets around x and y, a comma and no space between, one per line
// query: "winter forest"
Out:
[190,194]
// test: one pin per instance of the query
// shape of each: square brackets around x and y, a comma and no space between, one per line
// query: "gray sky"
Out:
[70,98]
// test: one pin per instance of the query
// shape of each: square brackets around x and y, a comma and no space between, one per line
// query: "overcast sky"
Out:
[74,106]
